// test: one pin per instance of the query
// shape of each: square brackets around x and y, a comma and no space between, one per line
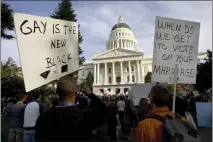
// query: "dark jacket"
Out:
[71,123]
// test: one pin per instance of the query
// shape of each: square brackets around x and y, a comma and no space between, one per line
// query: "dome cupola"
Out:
[121,36]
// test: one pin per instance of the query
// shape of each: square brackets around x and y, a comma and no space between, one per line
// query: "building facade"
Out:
[122,65]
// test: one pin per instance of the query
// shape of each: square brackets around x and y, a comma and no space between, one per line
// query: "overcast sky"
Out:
[96,19]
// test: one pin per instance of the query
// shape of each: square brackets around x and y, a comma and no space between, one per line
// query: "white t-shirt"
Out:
[121,105]
[31,114]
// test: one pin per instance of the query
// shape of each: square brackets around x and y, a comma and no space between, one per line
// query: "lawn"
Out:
[5,125]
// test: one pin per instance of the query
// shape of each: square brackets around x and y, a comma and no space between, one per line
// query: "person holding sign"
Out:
[68,122]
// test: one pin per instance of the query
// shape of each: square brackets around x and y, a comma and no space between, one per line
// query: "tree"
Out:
[204,74]
[66,12]
[148,77]
[12,82]
[6,21]
[89,80]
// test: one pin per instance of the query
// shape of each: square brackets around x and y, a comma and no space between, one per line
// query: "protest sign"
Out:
[204,114]
[175,51]
[48,48]
[141,91]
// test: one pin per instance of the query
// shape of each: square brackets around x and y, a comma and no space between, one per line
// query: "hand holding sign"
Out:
[86,89]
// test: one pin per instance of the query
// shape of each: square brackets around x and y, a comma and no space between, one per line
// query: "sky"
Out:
[96,19]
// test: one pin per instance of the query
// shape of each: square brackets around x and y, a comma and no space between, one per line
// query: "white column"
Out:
[117,44]
[95,74]
[122,76]
[98,74]
[105,77]
[130,73]
[138,67]
[142,72]
[113,45]
[113,72]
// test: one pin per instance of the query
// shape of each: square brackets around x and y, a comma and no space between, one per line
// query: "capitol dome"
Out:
[120,25]
[121,36]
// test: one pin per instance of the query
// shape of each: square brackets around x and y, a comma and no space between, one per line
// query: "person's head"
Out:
[159,96]
[143,104]
[106,98]
[113,99]
[67,88]
[22,97]
[36,96]
[117,91]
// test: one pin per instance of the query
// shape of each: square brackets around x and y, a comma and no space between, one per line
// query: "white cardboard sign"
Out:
[175,43]
[141,91]
[48,48]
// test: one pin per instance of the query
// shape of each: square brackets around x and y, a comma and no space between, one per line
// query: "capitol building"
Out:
[122,65]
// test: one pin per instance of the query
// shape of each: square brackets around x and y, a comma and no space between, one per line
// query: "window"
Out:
[116,34]
[125,33]
[133,78]
[123,44]
[119,34]
[110,80]
[118,79]
[132,67]
[119,44]
[109,70]
[127,69]
[122,33]
[127,78]
[109,89]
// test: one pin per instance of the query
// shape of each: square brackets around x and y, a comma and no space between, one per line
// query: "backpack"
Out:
[177,130]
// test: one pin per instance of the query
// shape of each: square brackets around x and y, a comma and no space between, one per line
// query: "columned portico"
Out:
[130,72]
[105,76]
[113,72]
[95,74]
[138,71]
[142,71]
[121,65]
[98,74]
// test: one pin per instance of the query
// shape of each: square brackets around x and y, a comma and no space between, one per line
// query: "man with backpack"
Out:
[161,124]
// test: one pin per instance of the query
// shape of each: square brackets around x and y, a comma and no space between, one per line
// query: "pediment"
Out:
[117,53]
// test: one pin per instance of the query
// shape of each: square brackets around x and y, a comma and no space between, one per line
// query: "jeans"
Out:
[15,135]
[29,135]
[121,117]
[106,129]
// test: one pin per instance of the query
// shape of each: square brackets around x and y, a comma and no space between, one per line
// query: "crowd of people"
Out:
[89,117]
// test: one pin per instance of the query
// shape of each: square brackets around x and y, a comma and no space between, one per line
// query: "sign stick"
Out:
[174,93]
[58,71]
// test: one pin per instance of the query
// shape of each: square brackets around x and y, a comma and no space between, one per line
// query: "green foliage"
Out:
[66,12]
[204,74]
[148,77]
[89,80]
[12,82]
[6,20]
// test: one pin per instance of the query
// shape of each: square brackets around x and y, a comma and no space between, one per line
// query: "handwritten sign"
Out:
[175,51]
[48,48]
